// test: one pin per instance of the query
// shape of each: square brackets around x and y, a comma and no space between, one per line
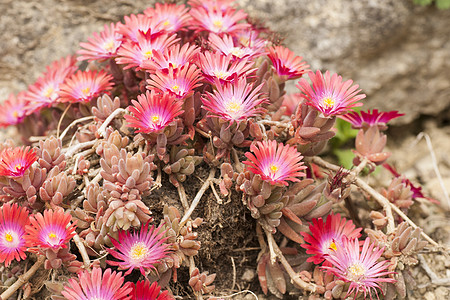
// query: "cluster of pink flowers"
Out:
[179,71]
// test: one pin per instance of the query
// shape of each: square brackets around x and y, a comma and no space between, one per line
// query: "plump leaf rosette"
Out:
[401,248]
[230,111]
[327,96]
[270,166]
[182,240]
[155,115]
[182,163]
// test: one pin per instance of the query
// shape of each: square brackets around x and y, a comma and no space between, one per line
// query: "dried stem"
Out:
[434,278]
[63,134]
[385,203]
[183,198]
[102,130]
[219,200]
[310,287]
[73,149]
[157,184]
[60,119]
[23,278]
[197,198]
[275,123]
[82,249]
[237,162]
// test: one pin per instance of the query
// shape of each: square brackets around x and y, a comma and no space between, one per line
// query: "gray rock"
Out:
[399,53]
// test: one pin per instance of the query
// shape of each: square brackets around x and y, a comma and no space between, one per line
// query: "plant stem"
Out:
[102,130]
[82,249]
[23,278]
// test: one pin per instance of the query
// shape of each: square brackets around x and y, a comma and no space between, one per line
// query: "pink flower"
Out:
[370,118]
[275,162]
[218,22]
[85,86]
[153,111]
[44,92]
[144,291]
[136,24]
[95,285]
[15,161]
[227,46]
[13,220]
[328,94]
[235,101]
[170,17]
[213,5]
[361,268]
[51,230]
[138,54]
[174,57]
[219,67]
[101,47]
[14,110]
[325,238]
[139,250]
[286,64]
[180,83]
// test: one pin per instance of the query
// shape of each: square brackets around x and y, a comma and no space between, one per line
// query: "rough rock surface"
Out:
[399,53]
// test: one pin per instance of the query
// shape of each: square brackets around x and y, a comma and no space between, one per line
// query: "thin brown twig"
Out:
[72,149]
[82,249]
[60,119]
[63,134]
[219,200]
[102,130]
[183,198]
[197,198]
[23,278]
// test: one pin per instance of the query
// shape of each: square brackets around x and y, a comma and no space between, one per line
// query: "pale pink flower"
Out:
[174,57]
[135,24]
[153,111]
[217,21]
[15,161]
[370,118]
[275,162]
[170,17]
[85,86]
[97,285]
[14,110]
[101,46]
[236,101]
[180,83]
[361,268]
[227,46]
[286,65]
[141,249]
[328,94]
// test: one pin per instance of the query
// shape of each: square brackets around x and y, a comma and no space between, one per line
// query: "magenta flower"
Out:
[137,24]
[370,118]
[101,46]
[138,54]
[15,161]
[170,17]
[235,101]
[144,291]
[174,57]
[180,83]
[153,111]
[95,285]
[227,46]
[218,22]
[51,230]
[44,92]
[286,64]
[328,94]
[275,162]
[13,220]
[222,68]
[326,237]
[361,268]
[85,86]
[14,110]
[139,250]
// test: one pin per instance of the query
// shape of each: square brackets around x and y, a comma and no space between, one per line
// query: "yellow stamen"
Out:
[8,237]
[52,235]
[155,119]
[355,271]
[86,90]
[332,246]
[18,167]
[220,74]
[329,102]
[15,114]
[233,106]
[109,46]
[218,23]
[236,51]
[175,87]
[48,92]
[166,23]
[274,168]
[148,54]
[138,252]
